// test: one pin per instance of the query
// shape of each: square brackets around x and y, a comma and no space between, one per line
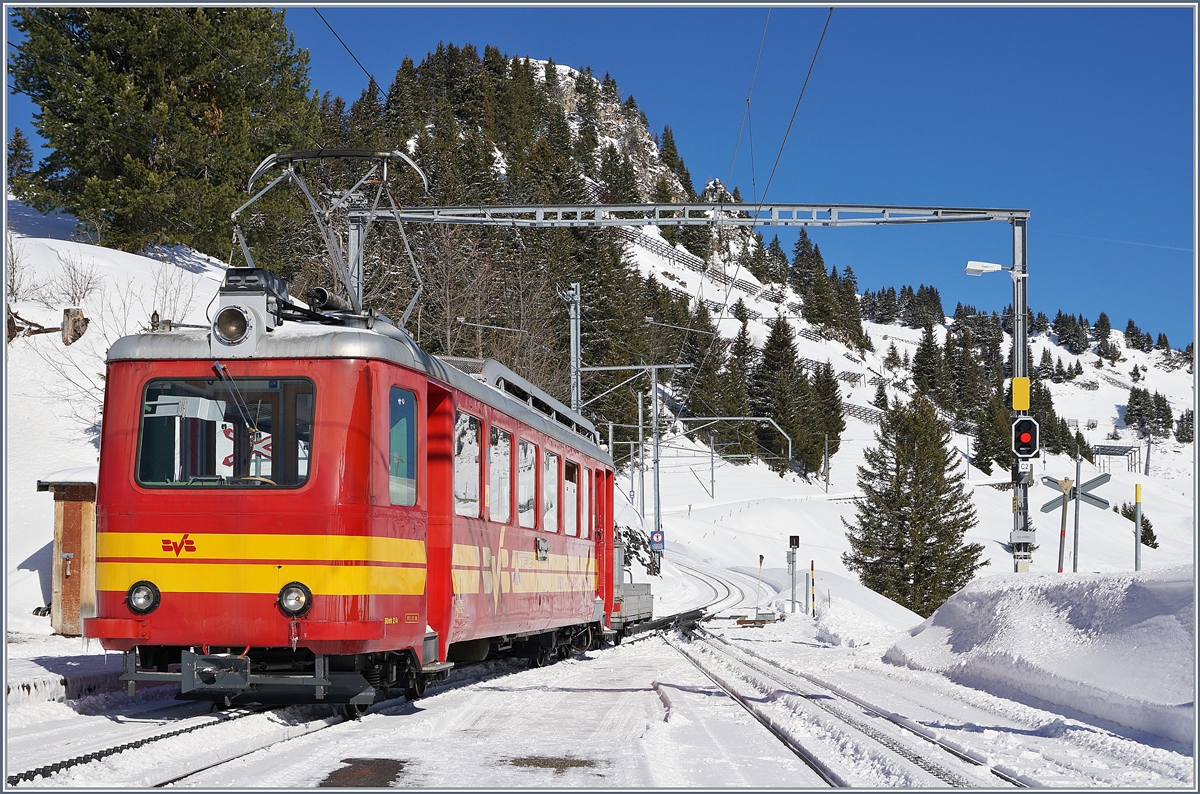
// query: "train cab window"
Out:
[570,498]
[402,447]
[585,513]
[550,492]
[500,476]
[466,465]
[527,484]
[238,433]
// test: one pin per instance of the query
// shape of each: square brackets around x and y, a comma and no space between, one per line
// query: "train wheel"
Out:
[352,711]
[563,652]
[617,637]
[415,688]
[538,659]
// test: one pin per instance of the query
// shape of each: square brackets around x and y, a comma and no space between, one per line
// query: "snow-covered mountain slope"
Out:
[50,410]
[53,392]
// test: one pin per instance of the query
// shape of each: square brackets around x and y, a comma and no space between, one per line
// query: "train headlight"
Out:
[232,325]
[295,599]
[143,597]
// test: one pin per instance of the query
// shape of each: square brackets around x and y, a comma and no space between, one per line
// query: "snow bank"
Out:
[1118,647]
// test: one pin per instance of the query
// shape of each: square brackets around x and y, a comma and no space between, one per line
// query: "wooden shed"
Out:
[73,571]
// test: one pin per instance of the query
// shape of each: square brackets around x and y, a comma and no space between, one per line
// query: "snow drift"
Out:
[1118,647]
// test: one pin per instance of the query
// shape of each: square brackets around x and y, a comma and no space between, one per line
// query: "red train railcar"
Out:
[319,510]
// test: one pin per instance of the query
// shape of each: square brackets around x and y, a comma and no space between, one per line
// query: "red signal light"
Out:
[1025,437]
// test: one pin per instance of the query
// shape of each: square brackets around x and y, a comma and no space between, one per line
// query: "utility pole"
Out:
[654,432]
[1137,527]
[1022,538]
[653,370]
[572,298]
[826,463]
[1075,551]
[712,465]
[641,461]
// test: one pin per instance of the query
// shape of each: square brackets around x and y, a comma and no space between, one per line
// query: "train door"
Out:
[439,462]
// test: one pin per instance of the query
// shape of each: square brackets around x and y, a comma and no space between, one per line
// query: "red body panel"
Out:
[345,500]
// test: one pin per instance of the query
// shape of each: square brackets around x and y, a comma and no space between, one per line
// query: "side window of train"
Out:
[500,475]
[585,511]
[466,465]
[570,499]
[550,492]
[402,447]
[527,484]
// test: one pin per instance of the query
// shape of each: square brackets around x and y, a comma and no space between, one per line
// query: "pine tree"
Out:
[151,137]
[1103,327]
[826,415]
[20,162]
[1184,434]
[892,359]
[907,540]
[1129,512]
[880,400]
[993,442]
[927,363]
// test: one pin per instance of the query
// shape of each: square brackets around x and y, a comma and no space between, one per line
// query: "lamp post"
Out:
[1021,539]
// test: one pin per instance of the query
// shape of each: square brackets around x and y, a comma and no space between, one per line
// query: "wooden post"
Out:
[73,563]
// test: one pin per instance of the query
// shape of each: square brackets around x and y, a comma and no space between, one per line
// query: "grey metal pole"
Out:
[576,356]
[1062,535]
[826,463]
[1149,440]
[654,432]
[1137,527]
[807,589]
[354,256]
[792,566]
[1022,537]
[641,462]
[1075,553]
[611,450]
[712,465]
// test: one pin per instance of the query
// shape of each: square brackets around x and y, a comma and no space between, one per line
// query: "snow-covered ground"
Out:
[1072,680]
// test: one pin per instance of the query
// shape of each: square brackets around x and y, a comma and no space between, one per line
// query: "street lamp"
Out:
[979,268]
[1021,539]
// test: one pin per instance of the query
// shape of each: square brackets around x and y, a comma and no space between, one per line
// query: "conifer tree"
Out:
[1129,512]
[908,538]
[892,359]
[826,415]
[151,138]
[880,400]
[1184,432]
[20,162]
[927,363]
[1103,327]
[993,435]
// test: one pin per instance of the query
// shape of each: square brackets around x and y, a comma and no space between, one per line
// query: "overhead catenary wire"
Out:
[729,288]
[370,77]
[746,112]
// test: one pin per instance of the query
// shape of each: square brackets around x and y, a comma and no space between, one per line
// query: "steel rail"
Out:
[866,706]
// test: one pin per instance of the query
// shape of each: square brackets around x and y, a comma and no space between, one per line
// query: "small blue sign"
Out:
[657,539]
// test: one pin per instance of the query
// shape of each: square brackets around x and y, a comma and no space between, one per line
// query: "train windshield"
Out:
[239,433]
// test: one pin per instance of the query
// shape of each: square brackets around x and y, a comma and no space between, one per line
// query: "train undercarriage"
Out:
[351,683]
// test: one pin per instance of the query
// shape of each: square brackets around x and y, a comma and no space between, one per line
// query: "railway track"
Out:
[149,727]
[825,695]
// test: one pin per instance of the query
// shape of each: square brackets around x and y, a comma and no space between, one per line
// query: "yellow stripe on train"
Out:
[259,578]
[214,546]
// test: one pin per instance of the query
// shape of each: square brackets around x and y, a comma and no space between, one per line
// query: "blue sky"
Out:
[1085,116]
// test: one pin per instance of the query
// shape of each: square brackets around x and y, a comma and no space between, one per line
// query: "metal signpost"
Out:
[1071,492]
[793,545]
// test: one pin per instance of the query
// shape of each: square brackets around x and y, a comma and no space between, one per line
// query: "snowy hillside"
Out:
[51,409]
[53,393]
